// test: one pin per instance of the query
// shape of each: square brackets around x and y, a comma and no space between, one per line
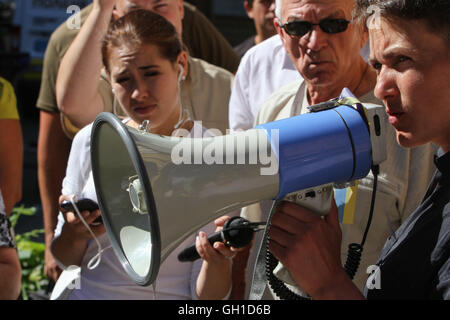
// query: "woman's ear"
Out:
[183,62]
[181,8]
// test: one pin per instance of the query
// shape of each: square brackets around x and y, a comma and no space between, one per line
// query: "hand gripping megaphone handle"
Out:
[237,232]
[318,200]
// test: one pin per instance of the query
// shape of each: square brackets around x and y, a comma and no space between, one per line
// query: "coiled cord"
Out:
[278,286]
[353,259]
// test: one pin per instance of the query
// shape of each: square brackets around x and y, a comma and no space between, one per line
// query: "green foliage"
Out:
[31,254]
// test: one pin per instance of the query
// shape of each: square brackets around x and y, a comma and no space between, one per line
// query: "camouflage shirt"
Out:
[6,239]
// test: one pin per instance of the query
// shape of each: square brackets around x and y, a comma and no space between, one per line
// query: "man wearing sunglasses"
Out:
[265,68]
[324,46]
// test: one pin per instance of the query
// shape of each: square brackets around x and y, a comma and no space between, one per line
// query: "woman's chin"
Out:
[407,140]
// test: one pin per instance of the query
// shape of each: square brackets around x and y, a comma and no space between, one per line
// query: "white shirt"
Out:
[176,280]
[263,69]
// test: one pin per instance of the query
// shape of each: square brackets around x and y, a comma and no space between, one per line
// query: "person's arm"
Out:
[68,249]
[309,247]
[214,279]
[238,274]
[11,162]
[10,274]
[78,76]
[71,235]
[53,153]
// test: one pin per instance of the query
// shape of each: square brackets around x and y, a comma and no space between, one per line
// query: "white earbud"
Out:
[181,76]
[183,112]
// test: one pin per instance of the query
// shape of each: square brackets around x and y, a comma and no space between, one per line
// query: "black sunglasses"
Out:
[299,28]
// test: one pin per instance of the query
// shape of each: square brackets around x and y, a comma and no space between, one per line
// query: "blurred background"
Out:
[25,28]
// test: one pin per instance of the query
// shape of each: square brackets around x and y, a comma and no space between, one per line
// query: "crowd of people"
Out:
[163,61]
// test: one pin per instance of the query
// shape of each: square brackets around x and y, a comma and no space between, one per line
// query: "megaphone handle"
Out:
[317,199]
[191,254]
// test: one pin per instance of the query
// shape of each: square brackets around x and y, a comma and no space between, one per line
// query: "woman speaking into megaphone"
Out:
[145,63]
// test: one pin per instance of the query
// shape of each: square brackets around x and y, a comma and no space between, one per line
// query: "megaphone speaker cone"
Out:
[132,227]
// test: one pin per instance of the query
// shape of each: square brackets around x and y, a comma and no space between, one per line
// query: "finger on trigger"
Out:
[223,249]
[198,246]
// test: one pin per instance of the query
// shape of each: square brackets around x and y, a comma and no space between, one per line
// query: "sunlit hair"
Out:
[140,27]
[435,13]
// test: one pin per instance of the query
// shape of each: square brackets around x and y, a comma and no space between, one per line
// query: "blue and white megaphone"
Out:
[155,191]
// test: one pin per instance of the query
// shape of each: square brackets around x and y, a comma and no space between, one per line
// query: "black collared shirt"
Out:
[414,263]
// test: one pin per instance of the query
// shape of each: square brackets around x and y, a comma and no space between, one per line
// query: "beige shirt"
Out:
[402,182]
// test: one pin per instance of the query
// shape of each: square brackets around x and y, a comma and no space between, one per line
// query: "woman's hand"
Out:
[75,226]
[218,253]
[70,246]
[214,280]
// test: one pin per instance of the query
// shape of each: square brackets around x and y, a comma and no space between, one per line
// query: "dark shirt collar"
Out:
[442,161]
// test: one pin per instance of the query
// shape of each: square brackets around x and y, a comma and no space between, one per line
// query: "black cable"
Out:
[375,172]
[278,286]
[354,249]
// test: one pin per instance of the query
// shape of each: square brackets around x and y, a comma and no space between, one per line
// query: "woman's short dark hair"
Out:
[142,27]
[435,13]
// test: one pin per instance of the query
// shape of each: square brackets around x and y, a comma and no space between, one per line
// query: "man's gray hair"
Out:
[278,4]
[435,13]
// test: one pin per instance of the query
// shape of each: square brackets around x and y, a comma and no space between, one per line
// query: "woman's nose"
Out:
[386,84]
[141,91]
